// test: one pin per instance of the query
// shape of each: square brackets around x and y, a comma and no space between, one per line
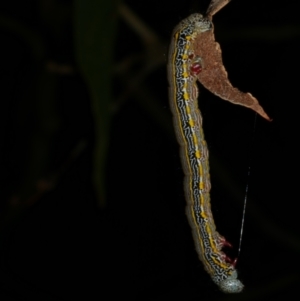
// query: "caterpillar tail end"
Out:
[231,286]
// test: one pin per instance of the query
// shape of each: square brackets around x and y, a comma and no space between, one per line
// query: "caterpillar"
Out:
[183,68]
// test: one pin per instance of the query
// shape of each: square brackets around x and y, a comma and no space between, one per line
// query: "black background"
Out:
[61,246]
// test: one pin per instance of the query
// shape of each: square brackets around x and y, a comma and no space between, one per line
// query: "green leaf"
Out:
[95,31]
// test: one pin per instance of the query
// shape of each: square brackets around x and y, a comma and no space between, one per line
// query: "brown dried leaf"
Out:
[215,6]
[214,76]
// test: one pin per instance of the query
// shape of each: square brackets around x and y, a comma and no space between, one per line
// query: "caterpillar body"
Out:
[183,67]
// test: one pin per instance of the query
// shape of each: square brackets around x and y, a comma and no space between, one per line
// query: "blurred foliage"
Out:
[95,31]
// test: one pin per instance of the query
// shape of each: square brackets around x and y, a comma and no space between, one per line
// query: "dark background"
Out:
[60,242]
